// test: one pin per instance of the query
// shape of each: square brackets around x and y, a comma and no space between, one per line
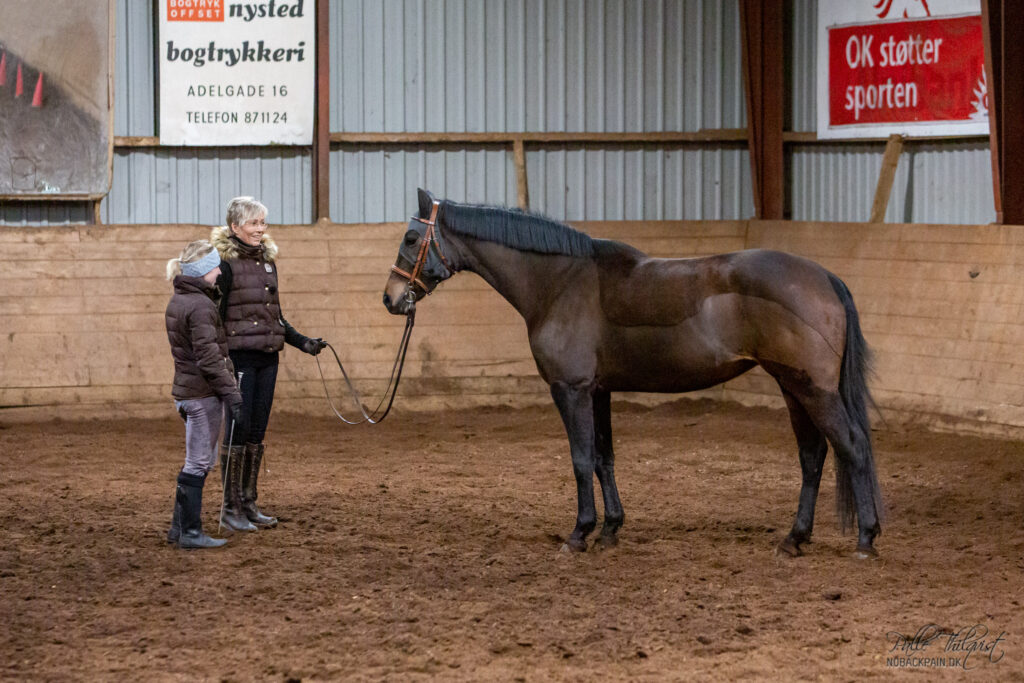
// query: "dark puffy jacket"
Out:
[251,305]
[201,364]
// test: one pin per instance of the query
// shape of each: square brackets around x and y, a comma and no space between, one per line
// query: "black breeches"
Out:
[257,398]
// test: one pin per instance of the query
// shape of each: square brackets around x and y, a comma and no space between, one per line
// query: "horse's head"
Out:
[421,264]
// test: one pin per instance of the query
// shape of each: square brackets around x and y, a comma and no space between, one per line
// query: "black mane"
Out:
[517,229]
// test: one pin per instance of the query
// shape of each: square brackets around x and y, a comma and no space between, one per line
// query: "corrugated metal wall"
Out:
[187,185]
[193,185]
[947,182]
[936,182]
[526,65]
[539,66]
[43,213]
[172,184]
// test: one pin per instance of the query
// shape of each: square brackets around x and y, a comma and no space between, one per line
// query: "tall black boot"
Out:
[190,500]
[231,469]
[250,475]
[175,531]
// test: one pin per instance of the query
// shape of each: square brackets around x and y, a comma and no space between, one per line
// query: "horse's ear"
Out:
[426,200]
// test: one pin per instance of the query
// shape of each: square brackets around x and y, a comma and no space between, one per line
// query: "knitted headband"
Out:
[202,266]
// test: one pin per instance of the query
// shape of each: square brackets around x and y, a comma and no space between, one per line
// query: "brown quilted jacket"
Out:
[251,307]
[201,364]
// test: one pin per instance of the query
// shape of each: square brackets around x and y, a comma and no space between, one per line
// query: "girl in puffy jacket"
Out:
[204,383]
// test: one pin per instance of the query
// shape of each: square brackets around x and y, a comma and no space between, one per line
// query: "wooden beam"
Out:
[885,178]
[762,28]
[1004,53]
[725,135]
[991,35]
[722,136]
[811,138]
[991,19]
[136,141]
[321,119]
[522,189]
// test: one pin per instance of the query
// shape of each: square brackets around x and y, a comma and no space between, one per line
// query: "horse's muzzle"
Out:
[396,296]
[399,306]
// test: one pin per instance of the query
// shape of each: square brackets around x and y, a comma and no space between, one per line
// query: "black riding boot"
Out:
[250,475]
[231,468]
[175,531]
[190,502]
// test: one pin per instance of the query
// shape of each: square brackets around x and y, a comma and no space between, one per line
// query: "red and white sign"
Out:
[237,73]
[903,69]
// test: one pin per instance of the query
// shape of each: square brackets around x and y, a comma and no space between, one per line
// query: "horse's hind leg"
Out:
[604,458]
[856,485]
[813,447]
[576,405]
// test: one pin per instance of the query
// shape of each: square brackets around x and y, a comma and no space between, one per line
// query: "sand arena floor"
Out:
[428,548]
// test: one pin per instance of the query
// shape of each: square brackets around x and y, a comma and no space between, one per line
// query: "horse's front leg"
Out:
[604,455]
[576,404]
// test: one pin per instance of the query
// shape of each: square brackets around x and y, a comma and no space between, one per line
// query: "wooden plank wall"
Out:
[942,307]
[81,318]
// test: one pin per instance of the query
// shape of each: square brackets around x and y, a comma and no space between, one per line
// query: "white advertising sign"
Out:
[911,67]
[237,73]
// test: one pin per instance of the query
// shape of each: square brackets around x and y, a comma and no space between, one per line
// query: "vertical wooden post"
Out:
[322,116]
[1004,53]
[883,190]
[97,216]
[762,27]
[519,155]
[1009,101]
[991,20]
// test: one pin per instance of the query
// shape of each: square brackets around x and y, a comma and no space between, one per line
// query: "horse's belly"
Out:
[672,380]
[665,360]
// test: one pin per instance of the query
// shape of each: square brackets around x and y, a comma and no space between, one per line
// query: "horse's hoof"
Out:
[574,545]
[865,553]
[789,548]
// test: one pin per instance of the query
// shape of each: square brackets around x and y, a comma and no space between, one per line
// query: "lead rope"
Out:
[396,376]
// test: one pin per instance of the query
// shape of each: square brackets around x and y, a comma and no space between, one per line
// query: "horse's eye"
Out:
[411,238]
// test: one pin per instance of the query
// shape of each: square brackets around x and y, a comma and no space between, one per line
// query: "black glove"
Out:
[314,346]
[234,405]
[184,415]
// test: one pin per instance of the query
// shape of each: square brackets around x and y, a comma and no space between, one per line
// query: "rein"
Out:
[396,376]
[413,278]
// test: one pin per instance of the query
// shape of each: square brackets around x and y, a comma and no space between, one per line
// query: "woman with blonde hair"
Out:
[257,331]
[204,383]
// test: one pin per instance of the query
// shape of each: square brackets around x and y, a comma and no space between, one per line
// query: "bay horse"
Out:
[602,316]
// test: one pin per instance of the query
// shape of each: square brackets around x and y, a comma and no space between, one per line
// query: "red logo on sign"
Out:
[907,71]
[195,10]
[884,6]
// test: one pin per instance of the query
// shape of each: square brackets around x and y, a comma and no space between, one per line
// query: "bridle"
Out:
[430,237]
[413,278]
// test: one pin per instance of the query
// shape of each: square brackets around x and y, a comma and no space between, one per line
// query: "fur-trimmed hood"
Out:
[220,237]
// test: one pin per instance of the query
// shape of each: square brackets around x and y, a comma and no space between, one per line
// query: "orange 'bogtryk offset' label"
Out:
[195,10]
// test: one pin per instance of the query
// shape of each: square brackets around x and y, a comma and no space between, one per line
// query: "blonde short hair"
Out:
[193,251]
[241,209]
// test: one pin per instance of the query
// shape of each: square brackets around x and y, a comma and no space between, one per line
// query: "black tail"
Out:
[853,389]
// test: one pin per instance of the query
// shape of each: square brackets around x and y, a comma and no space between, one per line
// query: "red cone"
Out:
[37,98]
[3,69]
[19,85]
